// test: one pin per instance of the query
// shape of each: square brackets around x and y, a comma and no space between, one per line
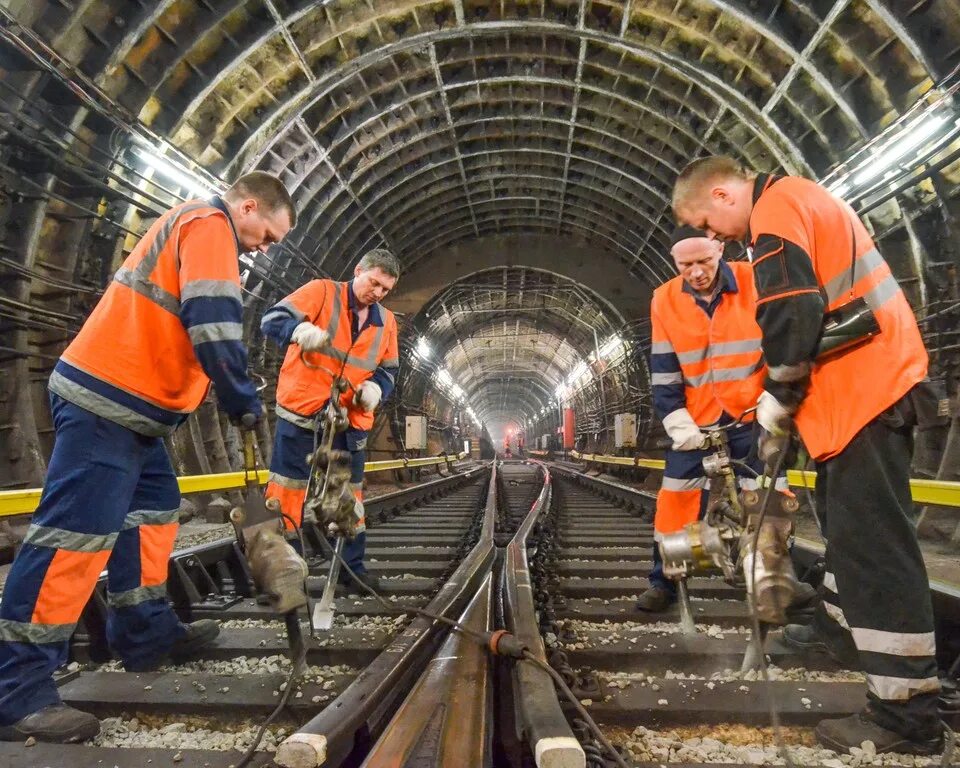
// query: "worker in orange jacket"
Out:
[706,368]
[168,324]
[339,328]
[855,412]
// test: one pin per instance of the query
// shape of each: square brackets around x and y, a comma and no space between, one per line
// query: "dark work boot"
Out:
[347,584]
[842,733]
[809,639]
[655,600]
[198,635]
[57,723]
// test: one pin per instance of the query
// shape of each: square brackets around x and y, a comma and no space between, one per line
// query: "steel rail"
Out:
[448,717]
[543,723]
[361,710]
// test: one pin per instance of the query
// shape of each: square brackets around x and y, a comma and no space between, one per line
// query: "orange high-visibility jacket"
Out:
[302,391]
[170,321]
[811,246]
[716,360]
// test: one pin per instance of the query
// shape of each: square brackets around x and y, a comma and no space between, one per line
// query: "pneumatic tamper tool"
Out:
[277,570]
[329,500]
[738,534]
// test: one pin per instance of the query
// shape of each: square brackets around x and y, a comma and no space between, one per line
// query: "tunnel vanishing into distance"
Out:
[517,157]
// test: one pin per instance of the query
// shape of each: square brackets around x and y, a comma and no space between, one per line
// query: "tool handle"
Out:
[247,423]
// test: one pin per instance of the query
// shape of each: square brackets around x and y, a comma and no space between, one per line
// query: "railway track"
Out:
[201,712]
[559,564]
[659,695]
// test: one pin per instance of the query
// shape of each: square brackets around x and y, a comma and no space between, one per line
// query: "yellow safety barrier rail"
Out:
[25,501]
[940,492]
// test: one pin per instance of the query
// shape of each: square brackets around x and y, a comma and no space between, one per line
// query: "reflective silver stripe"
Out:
[152,291]
[678,484]
[226,331]
[294,418]
[717,375]
[285,307]
[367,363]
[901,688]
[27,632]
[788,373]
[335,311]
[150,517]
[197,289]
[719,350]
[894,643]
[692,356]
[836,614]
[830,582]
[665,379]
[882,292]
[840,284]
[661,348]
[100,405]
[138,279]
[288,482]
[391,362]
[42,536]
[149,262]
[136,596]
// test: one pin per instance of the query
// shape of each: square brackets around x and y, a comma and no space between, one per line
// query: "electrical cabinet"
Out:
[625,430]
[416,433]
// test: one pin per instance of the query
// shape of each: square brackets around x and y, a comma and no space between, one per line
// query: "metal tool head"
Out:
[323,610]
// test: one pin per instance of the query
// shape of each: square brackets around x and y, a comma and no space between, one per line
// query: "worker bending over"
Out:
[343,329]
[168,324]
[854,411]
[706,368]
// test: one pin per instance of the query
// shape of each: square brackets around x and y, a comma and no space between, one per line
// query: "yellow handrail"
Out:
[940,492]
[25,501]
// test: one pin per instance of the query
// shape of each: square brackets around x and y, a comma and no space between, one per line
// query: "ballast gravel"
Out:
[195,534]
[793,674]
[646,745]
[132,734]
[246,665]
[385,623]
[620,628]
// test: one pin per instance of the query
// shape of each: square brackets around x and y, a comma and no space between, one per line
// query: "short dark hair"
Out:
[380,258]
[267,190]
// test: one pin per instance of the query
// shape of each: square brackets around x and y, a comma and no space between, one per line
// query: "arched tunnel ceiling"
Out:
[421,124]
[509,336]
[454,127]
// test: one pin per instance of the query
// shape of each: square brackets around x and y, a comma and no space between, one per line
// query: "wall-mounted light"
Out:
[172,172]
[423,348]
[611,345]
[908,142]
[913,136]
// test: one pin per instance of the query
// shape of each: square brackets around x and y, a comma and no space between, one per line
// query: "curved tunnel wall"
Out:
[440,130]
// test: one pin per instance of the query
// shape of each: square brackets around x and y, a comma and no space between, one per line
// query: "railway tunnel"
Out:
[518,159]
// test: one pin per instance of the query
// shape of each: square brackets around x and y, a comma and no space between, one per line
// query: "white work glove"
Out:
[772,415]
[309,337]
[683,430]
[368,396]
